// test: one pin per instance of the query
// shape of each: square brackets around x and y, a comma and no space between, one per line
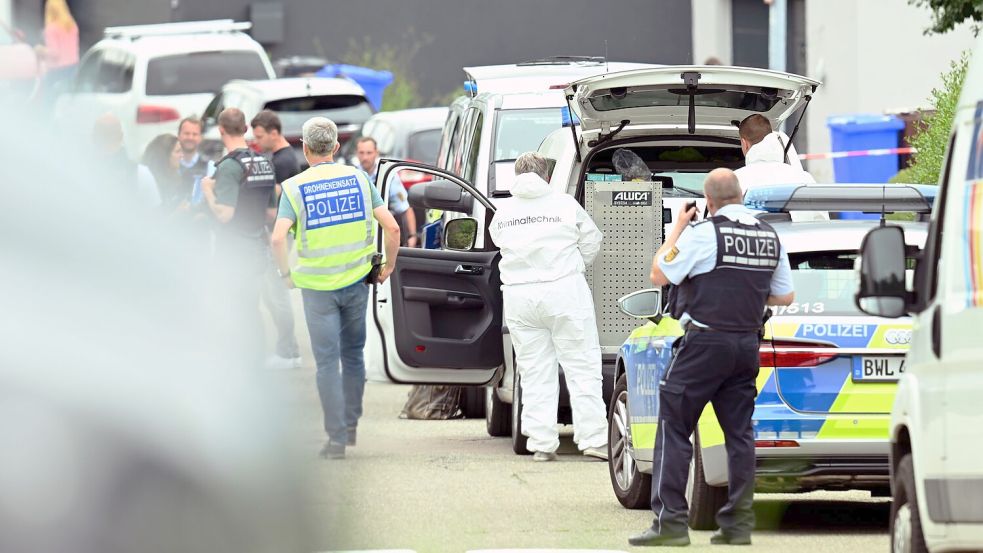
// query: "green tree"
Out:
[947,14]
[404,92]
[932,137]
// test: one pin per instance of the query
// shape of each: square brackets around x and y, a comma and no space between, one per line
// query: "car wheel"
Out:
[519,441]
[632,487]
[906,526]
[473,402]
[704,500]
[498,414]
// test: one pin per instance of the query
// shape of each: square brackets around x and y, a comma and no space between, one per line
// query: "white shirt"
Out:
[543,235]
[696,254]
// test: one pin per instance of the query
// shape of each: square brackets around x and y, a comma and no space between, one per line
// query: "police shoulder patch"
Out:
[672,254]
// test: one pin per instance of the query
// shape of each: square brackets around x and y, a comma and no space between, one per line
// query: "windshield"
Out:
[522,130]
[343,109]
[825,284]
[201,72]
[684,184]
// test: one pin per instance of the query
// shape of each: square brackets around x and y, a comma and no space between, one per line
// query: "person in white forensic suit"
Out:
[547,240]
[766,163]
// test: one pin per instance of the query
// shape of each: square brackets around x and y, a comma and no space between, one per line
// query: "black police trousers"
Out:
[720,368]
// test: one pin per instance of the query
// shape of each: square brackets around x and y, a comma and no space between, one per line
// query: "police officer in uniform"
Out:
[332,210]
[238,198]
[726,270]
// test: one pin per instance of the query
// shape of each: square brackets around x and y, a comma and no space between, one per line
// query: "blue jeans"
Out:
[336,323]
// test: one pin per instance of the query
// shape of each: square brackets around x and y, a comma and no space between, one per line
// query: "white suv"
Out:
[150,76]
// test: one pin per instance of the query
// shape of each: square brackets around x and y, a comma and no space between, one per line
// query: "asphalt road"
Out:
[447,486]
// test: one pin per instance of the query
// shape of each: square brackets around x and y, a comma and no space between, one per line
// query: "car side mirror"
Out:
[440,194]
[882,290]
[460,234]
[643,304]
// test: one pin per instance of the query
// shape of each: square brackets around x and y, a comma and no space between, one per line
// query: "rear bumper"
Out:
[824,464]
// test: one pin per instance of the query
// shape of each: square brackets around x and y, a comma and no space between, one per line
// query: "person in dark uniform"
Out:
[726,270]
[238,198]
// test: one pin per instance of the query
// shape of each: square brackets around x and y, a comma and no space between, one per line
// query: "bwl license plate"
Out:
[869,368]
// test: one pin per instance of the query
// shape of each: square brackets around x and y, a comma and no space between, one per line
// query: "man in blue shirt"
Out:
[367,152]
[724,270]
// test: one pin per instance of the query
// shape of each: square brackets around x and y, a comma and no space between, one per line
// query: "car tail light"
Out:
[411,177]
[559,86]
[156,114]
[776,443]
[781,353]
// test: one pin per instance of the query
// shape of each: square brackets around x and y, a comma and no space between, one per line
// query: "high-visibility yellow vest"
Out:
[335,229]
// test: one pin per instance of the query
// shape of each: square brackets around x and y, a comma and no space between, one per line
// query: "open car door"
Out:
[438,318]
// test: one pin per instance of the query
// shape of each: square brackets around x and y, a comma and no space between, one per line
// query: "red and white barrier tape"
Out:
[859,153]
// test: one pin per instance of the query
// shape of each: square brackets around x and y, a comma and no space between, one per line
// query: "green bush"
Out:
[404,92]
[932,138]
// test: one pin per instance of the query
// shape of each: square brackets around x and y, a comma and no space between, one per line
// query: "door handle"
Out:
[469,270]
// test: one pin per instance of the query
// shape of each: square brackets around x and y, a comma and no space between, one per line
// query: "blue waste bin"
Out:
[372,81]
[865,132]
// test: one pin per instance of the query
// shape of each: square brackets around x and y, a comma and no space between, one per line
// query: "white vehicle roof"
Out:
[839,235]
[541,75]
[178,38]
[422,117]
[274,89]
[552,99]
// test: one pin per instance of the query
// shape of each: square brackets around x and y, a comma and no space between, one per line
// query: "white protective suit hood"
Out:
[765,165]
[530,185]
[543,235]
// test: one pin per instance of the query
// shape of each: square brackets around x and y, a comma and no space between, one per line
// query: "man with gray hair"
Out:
[332,209]
[547,241]
[725,270]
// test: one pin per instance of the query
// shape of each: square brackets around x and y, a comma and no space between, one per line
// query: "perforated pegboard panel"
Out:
[632,234]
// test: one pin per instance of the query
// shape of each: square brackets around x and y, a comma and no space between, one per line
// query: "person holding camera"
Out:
[332,209]
[726,270]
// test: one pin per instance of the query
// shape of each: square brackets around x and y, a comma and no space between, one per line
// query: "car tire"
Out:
[906,525]
[632,487]
[473,402]
[704,500]
[498,414]
[519,441]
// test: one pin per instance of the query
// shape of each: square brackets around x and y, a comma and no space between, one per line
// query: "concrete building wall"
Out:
[712,31]
[871,56]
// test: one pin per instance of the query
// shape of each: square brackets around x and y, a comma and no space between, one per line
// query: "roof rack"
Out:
[563,60]
[866,198]
[187,28]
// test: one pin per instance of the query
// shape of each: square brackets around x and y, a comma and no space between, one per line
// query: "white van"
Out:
[936,426]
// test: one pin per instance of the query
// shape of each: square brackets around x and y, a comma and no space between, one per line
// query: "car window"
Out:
[214,107]
[750,99]
[423,145]
[200,72]
[116,71]
[523,130]
[461,139]
[826,283]
[447,141]
[343,109]
[88,74]
[474,148]
[684,184]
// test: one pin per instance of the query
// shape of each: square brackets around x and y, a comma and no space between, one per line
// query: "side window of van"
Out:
[450,127]
[927,273]
[473,149]
[462,137]
[88,74]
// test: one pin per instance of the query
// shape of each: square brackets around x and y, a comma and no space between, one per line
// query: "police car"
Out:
[828,372]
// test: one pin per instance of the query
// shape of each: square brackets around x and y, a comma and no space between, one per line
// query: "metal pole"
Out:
[777,29]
